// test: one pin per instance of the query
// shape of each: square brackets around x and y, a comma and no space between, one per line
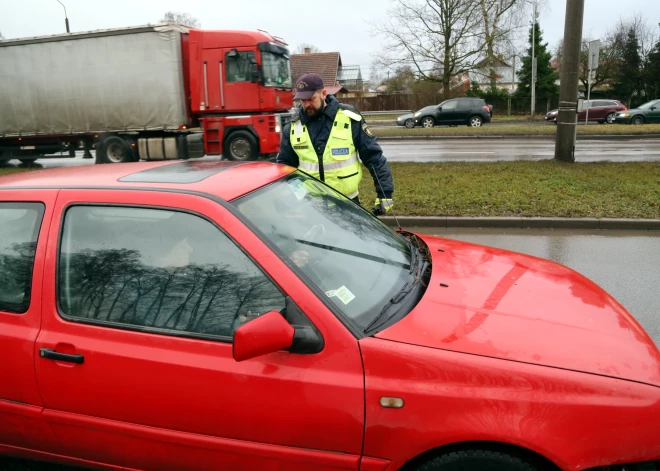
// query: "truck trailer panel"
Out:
[104,81]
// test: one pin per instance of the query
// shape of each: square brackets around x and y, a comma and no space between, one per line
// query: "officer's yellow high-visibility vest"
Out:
[341,167]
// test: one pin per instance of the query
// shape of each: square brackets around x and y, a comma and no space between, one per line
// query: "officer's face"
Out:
[314,106]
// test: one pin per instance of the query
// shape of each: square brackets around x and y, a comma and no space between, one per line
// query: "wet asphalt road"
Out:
[492,150]
[474,150]
[625,263]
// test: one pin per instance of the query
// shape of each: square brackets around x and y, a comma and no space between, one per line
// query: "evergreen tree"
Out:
[546,75]
[629,80]
[652,72]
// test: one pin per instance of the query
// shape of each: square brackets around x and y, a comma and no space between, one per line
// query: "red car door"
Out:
[143,292]
[24,222]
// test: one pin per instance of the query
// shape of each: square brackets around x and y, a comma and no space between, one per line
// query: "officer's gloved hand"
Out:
[383,206]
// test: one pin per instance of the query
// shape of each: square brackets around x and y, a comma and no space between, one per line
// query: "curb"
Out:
[525,223]
[621,137]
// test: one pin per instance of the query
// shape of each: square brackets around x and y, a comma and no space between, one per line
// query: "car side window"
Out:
[154,269]
[239,66]
[463,104]
[450,105]
[19,230]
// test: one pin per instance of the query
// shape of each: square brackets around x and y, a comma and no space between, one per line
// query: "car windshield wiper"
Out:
[353,253]
[382,316]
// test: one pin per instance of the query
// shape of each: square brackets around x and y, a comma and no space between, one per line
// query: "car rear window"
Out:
[158,270]
[19,230]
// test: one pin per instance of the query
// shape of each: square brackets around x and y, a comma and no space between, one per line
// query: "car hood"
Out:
[521,308]
[405,116]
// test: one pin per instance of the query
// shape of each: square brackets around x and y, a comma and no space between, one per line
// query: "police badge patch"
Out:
[366,130]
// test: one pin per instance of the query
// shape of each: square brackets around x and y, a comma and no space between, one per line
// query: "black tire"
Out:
[637,120]
[428,122]
[410,123]
[240,146]
[114,150]
[476,460]
[28,161]
[609,119]
[475,121]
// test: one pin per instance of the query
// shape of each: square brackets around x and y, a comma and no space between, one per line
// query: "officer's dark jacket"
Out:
[319,131]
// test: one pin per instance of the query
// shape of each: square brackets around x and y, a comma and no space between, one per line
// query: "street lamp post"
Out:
[66,18]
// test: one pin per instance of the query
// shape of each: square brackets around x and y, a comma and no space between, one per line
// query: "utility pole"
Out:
[533,59]
[66,18]
[568,90]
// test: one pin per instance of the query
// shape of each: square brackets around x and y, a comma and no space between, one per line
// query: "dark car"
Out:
[469,111]
[647,113]
[602,111]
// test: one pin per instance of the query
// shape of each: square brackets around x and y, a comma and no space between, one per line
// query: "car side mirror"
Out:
[265,334]
[439,108]
[653,108]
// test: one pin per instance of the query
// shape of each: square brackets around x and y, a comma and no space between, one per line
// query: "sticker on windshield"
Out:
[343,293]
[299,189]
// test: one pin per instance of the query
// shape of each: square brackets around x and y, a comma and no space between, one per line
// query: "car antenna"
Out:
[383,192]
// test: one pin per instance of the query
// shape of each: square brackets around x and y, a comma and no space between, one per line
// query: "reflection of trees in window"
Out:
[115,286]
[238,66]
[16,264]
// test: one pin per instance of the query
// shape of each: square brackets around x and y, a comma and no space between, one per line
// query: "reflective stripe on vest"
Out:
[341,167]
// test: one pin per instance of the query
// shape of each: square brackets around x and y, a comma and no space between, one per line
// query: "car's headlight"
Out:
[623,115]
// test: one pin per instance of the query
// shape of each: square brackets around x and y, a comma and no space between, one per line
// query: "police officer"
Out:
[324,139]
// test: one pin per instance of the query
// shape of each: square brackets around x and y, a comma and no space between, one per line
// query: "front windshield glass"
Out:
[357,261]
[277,72]
[649,105]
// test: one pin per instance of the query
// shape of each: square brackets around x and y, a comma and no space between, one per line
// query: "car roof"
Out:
[221,178]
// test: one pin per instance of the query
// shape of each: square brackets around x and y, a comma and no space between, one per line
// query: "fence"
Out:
[415,101]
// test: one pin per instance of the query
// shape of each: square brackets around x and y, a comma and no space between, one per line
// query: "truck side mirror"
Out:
[254,73]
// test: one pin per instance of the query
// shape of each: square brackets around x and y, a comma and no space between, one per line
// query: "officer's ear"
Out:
[324,94]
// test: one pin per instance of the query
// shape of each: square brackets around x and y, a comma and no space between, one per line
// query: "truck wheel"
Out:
[477,460]
[114,150]
[241,146]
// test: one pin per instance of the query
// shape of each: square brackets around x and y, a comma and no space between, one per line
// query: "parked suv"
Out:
[602,111]
[470,111]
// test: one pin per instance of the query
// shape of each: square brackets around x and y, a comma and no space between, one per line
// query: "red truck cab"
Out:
[238,80]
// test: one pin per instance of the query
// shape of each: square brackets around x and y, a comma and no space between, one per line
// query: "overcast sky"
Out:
[338,25]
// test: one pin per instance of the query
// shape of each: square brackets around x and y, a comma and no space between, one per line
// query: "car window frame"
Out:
[39,228]
[146,329]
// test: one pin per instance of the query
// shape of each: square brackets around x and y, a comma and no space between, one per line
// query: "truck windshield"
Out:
[277,72]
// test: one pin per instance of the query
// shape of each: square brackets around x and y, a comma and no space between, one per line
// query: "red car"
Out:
[602,111]
[244,316]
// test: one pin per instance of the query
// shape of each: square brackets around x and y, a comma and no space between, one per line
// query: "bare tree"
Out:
[500,20]
[438,38]
[301,49]
[185,19]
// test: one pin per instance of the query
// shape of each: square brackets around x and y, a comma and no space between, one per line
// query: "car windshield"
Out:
[276,70]
[346,255]
[649,105]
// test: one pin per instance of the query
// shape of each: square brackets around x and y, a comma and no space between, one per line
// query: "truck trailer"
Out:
[150,92]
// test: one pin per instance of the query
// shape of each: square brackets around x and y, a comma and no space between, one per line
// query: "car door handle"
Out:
[53,355]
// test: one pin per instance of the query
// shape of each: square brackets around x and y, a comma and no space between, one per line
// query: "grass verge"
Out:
[517,130]
[523,189]
[10,170]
